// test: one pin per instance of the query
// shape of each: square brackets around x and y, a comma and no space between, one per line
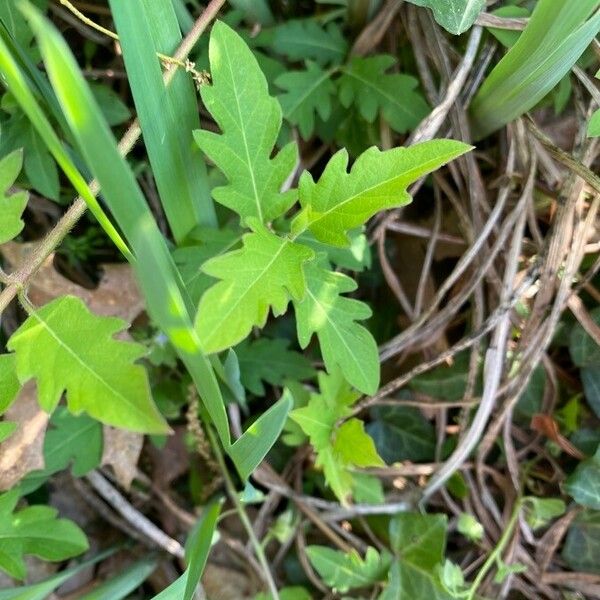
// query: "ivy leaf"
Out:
[71,440]
[345,571]
[302,39]
[447,382]
[270,361]
[35,530]
[250,120]
[402,433]
[582,347]
[584,484]
[582,545]
[456,16]
[262,274]
[343,342]
[365,83]
[341,201]
[419,539]
[11,207]
[590,377]
[307,92]
[9,382]
[67,348]
[407,580]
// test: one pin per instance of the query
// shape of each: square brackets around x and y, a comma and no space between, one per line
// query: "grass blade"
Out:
[554,39]
[18,85]
[167,115]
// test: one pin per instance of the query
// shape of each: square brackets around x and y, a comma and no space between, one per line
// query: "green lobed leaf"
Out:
[581,550]
[9,382]
[365,84]
[306,39]
[307,93]
[339,448]
[340,201]
[13,205]
[456,16]
[270,360]
[6,429]
[333,317]
[67,348]
[345,571]
[584,484]
[540,511]
[71,441]
[250,121]
[402,433]
[34,530]
[263,274]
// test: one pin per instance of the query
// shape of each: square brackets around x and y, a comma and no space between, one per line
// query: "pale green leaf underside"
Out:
[249,120]
[263,274]
[456,16]
[340,201]
[11,206]
[67,348]
[333,317]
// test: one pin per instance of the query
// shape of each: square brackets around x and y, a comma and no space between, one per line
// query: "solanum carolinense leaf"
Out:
[34,530]
[333,317]
[302,39]
[264,273]
[11,206]
[339,448]
[365,84]
[250,120]
[307,93]
[340,201]
[67,348]
[456,16]
[346,571]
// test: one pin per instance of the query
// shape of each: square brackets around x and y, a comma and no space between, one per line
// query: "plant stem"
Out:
[239,507]
[18,281]
[497,551]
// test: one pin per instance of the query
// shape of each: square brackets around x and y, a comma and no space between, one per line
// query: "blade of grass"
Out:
[18,85]
[167,115]
[555,37]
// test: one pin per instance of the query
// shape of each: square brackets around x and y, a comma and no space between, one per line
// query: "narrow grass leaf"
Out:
[167,115]
[556,36]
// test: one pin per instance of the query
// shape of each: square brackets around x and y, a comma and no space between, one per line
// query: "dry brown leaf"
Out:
[121,452]
[23,451]
[117,294]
